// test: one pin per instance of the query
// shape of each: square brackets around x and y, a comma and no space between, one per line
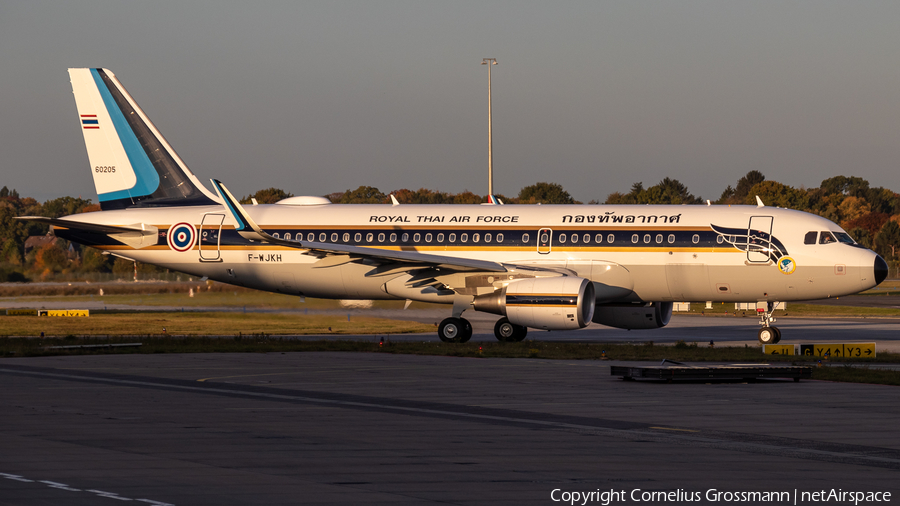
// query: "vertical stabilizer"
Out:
[132,163]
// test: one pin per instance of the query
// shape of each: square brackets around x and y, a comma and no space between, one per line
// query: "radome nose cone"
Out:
[881,270]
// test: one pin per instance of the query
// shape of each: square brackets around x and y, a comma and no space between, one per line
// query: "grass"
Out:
[199,323]
[858,372]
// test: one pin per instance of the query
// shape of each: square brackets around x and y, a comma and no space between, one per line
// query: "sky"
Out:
[318,97]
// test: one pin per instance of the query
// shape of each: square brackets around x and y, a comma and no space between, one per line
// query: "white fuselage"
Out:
[641,253]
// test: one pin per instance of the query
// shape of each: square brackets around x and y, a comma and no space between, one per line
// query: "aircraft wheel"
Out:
[504,330]
[777,334]
[521,332]
[455,330]
[467,331]
[767,335]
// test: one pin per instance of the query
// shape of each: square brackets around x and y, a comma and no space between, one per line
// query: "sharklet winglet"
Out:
[244,224]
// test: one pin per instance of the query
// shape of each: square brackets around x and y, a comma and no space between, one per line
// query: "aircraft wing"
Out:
[248,229]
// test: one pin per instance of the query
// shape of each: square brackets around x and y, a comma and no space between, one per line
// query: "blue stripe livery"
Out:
[147,177]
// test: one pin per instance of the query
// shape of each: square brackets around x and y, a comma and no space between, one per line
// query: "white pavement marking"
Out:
[111,495]
[61,486]
[15,477]
[101,493]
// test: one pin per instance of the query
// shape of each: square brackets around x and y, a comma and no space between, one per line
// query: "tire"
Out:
[451,330]
[505,331]
[767,335]
[522,332]
[466,331]
[777,334]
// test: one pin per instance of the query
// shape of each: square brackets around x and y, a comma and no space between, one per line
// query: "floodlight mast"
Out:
[490,62]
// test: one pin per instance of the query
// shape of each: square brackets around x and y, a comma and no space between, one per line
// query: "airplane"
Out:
[551,267]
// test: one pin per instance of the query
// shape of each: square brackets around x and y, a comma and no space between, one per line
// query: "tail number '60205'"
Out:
[107,168]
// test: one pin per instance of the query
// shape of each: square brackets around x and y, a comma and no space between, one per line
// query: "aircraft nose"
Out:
[881,269]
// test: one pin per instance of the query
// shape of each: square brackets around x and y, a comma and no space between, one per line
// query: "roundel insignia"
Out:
[181,237]
[787,265]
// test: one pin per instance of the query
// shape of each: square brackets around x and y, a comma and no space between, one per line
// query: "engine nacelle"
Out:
[556,303]
[634,316]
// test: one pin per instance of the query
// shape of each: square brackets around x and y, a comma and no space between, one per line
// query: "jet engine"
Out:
[555,303]
[651,315]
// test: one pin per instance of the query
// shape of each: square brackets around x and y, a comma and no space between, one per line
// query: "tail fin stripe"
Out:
[147,177]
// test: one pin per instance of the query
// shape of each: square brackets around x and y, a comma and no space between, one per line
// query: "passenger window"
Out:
[635,238]
[826,238]
[610,238]
[451,238]
[671,238]
[310,237]
[810,238]
[695,239]
[487,237]
[393,237]
[369,237]
[574,238]
[417,237]
[275,235]
[463,237]
[440,238]
[646,238]
[428,237]
[525,238]
[346,237]
[598,238]
[357,237]
[658,238]
[323,237]
[475,237]
[334,237]
[381,237]
[499,237]
[561,238]
[404,237]
[586,238]
[720,239]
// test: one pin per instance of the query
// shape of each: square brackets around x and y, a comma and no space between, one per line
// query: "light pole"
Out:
[490,62]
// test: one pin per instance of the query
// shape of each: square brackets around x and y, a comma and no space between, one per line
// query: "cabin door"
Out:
[759,239]
[210,237]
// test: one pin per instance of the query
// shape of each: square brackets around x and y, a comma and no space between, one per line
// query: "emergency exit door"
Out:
[210,237]
[759,239]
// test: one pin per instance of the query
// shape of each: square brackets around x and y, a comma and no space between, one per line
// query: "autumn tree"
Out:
[872,222]
[267,196]
[888,240]
[545,193]
[362,195]
[776,194]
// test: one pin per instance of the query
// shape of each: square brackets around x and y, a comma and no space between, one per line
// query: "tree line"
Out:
[871,215]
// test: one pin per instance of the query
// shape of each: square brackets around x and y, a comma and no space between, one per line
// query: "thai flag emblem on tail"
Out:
[89,121]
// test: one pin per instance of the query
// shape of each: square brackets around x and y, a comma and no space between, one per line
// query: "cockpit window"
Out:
[810,238]
[826,238]
[844,238]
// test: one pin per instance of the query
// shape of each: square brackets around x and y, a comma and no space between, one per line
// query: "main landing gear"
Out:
[768,334]
[455,330]
[507,332]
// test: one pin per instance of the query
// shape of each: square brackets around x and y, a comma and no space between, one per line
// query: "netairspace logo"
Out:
[715,496]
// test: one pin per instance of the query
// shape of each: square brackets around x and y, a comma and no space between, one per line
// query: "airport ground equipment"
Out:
[675,371]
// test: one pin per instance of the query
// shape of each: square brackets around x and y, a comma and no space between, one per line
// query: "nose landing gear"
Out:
[768,334]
